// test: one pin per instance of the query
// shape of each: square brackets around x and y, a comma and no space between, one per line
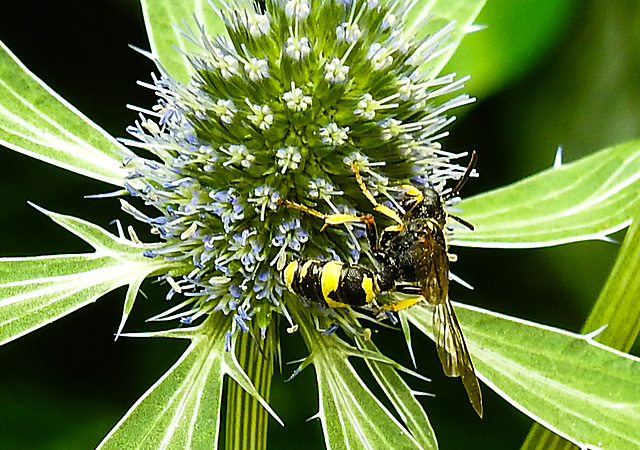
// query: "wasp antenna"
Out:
[461,221]
[465,177]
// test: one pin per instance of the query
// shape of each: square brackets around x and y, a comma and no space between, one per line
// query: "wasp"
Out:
[411,256]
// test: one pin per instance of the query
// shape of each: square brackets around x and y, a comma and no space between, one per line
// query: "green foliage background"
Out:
[546,73]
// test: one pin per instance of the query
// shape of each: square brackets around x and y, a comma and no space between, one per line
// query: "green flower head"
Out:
[281,108]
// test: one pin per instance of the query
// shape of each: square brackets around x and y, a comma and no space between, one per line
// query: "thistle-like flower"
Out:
[281,108]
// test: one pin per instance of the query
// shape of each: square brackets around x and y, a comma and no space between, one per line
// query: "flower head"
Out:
[279,109]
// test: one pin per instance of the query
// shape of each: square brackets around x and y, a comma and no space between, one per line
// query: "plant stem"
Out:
[617,307]
[246,419]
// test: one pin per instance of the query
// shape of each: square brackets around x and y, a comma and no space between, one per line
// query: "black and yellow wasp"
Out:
[411,258]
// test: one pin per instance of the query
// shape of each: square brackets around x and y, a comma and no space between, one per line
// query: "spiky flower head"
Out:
[280,108]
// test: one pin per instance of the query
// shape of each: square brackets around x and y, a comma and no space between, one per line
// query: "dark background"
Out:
[546,73]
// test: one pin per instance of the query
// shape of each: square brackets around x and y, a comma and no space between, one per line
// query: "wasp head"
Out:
[423,204]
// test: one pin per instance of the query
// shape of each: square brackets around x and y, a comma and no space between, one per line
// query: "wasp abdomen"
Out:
[331,282]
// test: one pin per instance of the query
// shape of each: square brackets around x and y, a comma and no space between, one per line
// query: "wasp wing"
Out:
[453,352]
[432,265]
[432,275]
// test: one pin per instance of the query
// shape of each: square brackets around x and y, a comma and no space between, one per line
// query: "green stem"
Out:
[618,306]
[619,309]
[246,419]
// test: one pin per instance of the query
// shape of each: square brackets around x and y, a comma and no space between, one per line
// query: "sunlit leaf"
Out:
[402,398]
[35,291]
[182,410]
[587,199]
[351,416]
[36,121]
[617,303]
[166,21]
[580,389]
[618,300]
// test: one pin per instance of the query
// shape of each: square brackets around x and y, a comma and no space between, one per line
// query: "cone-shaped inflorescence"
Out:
[279,108]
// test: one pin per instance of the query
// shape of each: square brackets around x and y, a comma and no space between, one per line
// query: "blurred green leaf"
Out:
[583,390]
[587,199]
[37,122]
[351,416]
[35,291]
[427,17]
[182,409]
[166,22]
[517,36]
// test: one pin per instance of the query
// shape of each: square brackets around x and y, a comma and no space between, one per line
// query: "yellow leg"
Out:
[400,305]
[390,213]
[329,219]
[412,192]
[302,208]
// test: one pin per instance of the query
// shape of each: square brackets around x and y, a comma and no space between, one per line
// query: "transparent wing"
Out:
[453,353]
[432,273]
[432,266]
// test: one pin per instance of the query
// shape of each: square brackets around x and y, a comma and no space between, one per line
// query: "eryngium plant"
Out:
[278,101]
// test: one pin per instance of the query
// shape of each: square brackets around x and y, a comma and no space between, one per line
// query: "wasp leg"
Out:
[390,213]
[335,219]
[400,305]
[302,208]
[408,289]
